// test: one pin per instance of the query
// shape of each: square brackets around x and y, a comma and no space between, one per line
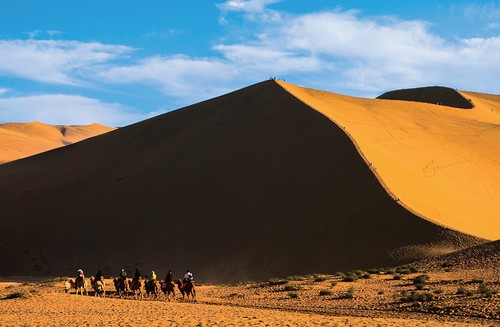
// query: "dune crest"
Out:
[439,162]
[20,140]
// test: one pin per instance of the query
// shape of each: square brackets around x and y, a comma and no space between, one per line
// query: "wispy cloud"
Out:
[179,76]
[482,11]
[249,6]
[66,109]
[51,61]
[2,91]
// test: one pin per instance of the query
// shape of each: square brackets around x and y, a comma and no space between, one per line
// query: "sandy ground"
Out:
[376,302]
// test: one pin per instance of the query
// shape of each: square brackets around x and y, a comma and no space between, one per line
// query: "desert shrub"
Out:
[293,294]
[366,276]
[295,278]
[389,271]
[374,271]
[333,284]
[289,288]
[277,281]
[235,296]
[422,279]
[350,278]
[15,295]
[419,286]
[349,294]
[438,291]
[476,281]
[397,277]
[485,291]
[381,292]
[446,264]
[415,296]
[320,278]
[325,292]
[339,274]
[463,291]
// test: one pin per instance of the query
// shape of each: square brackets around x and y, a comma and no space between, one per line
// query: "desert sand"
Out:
[247,186]
[378,299]
[440,162]
[20,140]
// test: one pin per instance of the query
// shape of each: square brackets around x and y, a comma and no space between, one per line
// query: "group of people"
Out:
[188,276]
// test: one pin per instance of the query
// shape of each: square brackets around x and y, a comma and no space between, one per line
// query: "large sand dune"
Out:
[440,162]
[250,185]
[20,140]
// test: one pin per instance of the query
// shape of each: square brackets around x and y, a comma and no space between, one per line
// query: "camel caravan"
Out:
[137,287]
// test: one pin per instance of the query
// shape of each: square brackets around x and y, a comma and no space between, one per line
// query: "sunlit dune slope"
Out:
[19,140]
[438,161]
[247,186]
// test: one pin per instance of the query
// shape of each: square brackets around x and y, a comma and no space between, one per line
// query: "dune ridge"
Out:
[20,140]
[439,162]
[247,186]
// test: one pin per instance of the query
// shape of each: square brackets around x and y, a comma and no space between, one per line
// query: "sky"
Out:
[117,62]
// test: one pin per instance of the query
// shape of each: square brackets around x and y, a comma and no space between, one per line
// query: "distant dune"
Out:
[254,184]
[20,140]
[438,95]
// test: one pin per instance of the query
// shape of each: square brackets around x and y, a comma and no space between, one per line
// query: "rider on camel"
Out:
[188,277]
[153,275]
[123,275]
[137,274]
[169,279]
[80,274]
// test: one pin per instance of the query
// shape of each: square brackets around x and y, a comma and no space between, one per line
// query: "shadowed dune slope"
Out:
[250,185]
[434,94]
[440,162]
[20,140]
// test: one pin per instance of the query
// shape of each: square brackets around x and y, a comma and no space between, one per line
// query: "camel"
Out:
[121,286]
[137,285]
[98,286]
[152,288]
[80,285]
[68,285]
[168,288]
[187,288]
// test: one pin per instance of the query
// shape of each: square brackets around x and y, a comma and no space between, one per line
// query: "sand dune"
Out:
[440,162]
[20,140]
[251,185]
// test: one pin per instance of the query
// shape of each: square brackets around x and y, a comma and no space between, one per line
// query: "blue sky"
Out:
[117,62]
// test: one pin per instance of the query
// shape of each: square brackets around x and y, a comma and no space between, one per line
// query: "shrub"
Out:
[325,292]
[293,294]
[277,281]
[349,294]
[374,271]
[381,292]
[291,288]
[15,295]
[463,291]
[366,276]
[438,291]
[397,277]
[333,284]
[419,286]
[415,296]
[476,281]
[295,278]
[350,278]
[320,278]
[485,291]
[422,279]
[446,264]
[402,270]
[339,274]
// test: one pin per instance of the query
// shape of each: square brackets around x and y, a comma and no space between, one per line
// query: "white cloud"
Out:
[249,6]
[370,54]
[50,61]
[2,91]
[179,76]
[61,109]
[484,11]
